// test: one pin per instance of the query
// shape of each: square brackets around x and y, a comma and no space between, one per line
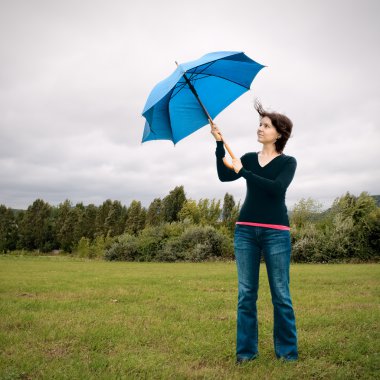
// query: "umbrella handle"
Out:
[226,163]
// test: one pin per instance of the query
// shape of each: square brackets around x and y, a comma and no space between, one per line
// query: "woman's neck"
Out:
[269,150]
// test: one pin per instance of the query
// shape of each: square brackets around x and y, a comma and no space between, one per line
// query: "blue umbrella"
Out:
[195,93]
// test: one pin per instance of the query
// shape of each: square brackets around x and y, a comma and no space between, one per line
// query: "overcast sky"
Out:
[75,75]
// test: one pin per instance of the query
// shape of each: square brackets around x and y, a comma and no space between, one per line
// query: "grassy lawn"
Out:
[66,318]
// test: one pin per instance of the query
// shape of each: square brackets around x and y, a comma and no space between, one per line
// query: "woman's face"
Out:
[266,132]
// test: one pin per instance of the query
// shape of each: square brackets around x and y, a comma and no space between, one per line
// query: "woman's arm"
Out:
[225,174]
[277,186]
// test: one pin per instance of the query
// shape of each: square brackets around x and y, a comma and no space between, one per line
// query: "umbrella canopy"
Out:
[196,91]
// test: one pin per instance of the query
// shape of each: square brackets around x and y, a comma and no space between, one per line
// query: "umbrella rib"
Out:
[184,84]
[192,74]
[213,75]
[221,77]
[206,66]
[178,87]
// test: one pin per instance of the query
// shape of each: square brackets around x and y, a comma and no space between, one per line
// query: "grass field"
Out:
[66,318]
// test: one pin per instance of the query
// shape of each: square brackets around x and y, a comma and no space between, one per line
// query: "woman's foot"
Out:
[240,361]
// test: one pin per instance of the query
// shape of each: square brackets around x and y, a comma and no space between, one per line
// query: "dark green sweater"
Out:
[266,186]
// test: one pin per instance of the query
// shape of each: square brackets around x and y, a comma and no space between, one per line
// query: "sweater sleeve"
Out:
[225,174]
[277,186]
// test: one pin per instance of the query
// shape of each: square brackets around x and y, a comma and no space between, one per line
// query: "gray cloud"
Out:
[74,77]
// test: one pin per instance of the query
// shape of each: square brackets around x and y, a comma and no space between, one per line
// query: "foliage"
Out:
[209,212]
[172,242]
[93,249]
[83,248]
[154,215]
[198,243]
[36,227]
[177,228]
[230,212]
[190,212]
[205,212]
[172,204]
[124,248]
[8,229]
[115,220]
[305,211]
[349,230]
[135,218]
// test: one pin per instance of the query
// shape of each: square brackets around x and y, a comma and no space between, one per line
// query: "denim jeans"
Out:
[249,243]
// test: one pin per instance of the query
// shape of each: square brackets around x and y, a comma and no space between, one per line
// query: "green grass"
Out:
[66,318]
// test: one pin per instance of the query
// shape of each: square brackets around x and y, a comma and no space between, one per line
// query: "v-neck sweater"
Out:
[264,204]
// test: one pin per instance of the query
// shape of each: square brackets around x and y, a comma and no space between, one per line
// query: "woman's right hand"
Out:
[215,132]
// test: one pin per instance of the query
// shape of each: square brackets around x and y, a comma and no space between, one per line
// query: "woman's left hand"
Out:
[236,163]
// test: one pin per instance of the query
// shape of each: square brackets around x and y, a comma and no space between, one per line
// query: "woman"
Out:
[263,228]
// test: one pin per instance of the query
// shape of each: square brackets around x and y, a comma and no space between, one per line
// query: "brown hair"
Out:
[281,122]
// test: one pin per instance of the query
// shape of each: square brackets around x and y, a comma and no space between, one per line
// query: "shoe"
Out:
[240,361]
[288,358]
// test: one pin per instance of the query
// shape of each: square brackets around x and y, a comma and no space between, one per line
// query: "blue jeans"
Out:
[275,245]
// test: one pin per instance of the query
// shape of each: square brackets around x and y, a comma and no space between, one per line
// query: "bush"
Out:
[125,248]
[172,242]
[203,243]
[374,232]
[349,231]
[305,243]
[83,247]
[197,243]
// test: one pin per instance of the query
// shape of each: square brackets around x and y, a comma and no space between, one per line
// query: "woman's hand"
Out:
[215,131]
[236,163]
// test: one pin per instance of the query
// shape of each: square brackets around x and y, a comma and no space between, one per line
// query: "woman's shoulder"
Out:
[288,159]
[250,155]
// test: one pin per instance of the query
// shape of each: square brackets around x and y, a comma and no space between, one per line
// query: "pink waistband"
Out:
[275,226]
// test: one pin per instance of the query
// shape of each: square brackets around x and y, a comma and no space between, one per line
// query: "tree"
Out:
[305,211]
[83,247]
[230,212]
[114,224]
[101,216]
[154,215]
[68,225]
[190,212]
[8,229]
[172,204]
[89,221]
[209,211]
[36,228]
[135,218]
[360,213]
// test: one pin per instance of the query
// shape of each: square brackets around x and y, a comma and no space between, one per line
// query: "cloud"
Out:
[74,77]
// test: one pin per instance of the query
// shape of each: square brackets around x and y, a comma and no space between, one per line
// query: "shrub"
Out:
[348,231]
[198,243]
[172,242]
[305,243]
[83,248]
[124,248]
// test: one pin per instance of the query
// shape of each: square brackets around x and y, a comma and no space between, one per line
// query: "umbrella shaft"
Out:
[193,90]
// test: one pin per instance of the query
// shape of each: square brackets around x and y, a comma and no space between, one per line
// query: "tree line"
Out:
[45,228]
[176,228]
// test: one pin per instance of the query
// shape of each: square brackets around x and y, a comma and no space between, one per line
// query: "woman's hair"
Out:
[281,122]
